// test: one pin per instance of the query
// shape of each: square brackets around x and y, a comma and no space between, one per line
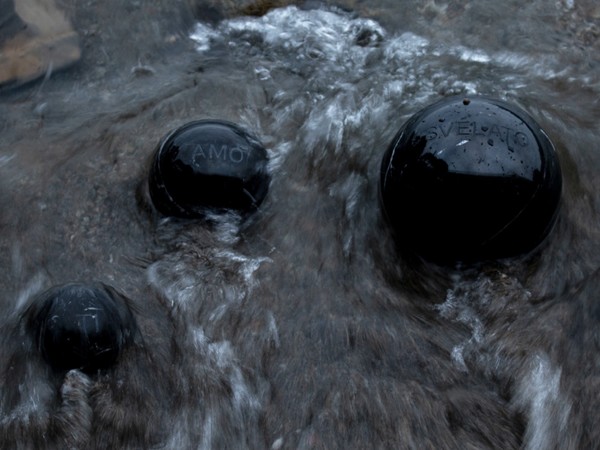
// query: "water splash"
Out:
[473,302]
[247,265]
[547,406]
[33,286]
[459,308]
[35,395]
[243,403]
[5,159]
[354,79]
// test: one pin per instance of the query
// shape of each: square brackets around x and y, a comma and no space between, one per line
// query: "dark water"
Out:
[302,327]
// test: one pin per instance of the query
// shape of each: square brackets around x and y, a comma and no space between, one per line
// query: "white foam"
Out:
[33,286]
[202,35]
[405,47]
[316,42]
[180,289]
[273,329]
[225,357]
[247,267]
[207,432]
[458,308]
[34,396]
[548,408]
[302,35]
[458,357]
[312,34]
[473,55]
[241,406]
[5,159]
[538,392]
[226,227]
[278,153]
[199,339]
[350,190]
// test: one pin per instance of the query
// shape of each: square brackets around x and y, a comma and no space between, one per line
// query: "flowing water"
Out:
[302,327]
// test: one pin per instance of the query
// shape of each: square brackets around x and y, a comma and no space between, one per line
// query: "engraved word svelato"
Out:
[466,128]
[207,152]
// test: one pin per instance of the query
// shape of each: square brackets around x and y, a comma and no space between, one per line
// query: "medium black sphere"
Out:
[208,166]
[469,179]
[81,327]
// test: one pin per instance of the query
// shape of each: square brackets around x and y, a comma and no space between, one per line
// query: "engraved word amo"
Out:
[207,152]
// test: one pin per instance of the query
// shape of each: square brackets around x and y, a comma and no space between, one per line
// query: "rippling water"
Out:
[303,327]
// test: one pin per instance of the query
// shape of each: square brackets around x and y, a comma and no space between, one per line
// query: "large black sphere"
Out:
[208,166]
[470,179]
[81,327]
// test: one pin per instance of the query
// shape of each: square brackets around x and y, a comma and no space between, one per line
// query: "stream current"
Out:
[304,326]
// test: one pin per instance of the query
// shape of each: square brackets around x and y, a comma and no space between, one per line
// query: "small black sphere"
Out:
[81,327]
[208,166]
[468,179]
